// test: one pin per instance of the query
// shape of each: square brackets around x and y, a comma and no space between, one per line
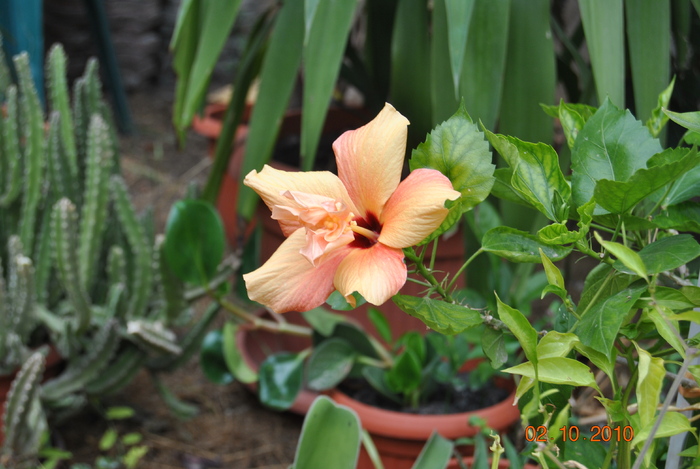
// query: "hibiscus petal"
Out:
[271,184]
[416,209]
[288,281]
[370,159]
[377,273]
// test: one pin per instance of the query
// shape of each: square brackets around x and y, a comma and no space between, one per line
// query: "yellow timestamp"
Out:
[572,433]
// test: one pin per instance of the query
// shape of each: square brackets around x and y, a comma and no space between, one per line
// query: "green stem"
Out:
[464,266]
[433,254]
[427,274]
[581,246]
[263,324]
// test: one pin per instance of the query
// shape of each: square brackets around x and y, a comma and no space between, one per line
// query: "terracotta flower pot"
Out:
[399,437]
[53,365]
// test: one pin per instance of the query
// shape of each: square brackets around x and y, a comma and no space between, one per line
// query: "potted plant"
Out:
[81,271]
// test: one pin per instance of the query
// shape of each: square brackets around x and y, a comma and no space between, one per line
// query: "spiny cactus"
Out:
[80,266]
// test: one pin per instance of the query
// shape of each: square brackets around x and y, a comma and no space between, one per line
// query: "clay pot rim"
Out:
[409,426]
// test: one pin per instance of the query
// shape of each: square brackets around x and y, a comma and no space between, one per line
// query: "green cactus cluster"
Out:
[79,268]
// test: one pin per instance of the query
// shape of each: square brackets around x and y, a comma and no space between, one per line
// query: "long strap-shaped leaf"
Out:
[604,26]
[649,38]
[323,55]
[277,79]
[459,15]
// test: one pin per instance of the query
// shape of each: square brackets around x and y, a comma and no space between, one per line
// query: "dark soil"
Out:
[443,400]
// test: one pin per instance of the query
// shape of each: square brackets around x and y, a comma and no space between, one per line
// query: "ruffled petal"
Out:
[377,273]
[271,184]
[370,159]
[288,281]
[416,209]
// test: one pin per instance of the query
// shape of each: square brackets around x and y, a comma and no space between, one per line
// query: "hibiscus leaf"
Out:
[519,246]
[458,150]
[446,318]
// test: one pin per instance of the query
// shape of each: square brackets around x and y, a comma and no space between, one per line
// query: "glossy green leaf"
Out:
[442,90]
[598,358]
[598,286]
[356,337]
[381,323]
[557,370]
[458,150]
[689,120]
[666,329]
[329,364]
[672,423]
[494,346]
[277,80]
[658,118]
[215,20]
[666,254]
[648,30]
[684,188]
[628,257]
[558,233]
[536,174]
[410,52]
[519,246]
[280,379]
[572,117]
[599,325]
[435,454]
[232,355]
[322,58]
[682,217]
[459,15]
[622,196]
[194,241]
[673,299]
[612,145]
[376,377]
[405,375]
[603,25]
[446,318]
[650,380]
[211,358]
[330,437]
[521,328]
[485,60]
[338,302]
[556,344]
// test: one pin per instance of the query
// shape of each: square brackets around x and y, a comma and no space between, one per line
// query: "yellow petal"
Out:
[370,159]
[377,273]
[288,281]
[416,209]
[271,184]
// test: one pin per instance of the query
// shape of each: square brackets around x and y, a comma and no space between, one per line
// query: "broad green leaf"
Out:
[612,145]
[442,90]
[503,189]
[667,329]
[658,118]
[356,337]
[277,79]
[572,117]
[648,30]
[280,379]
[458,150]
[322,321]
[599,359]
[692,293]
[672,423]
[405,375]
[689,120]
[215,23]
[682,217]
[557,370]
[521,328]
[650,380]
[329,364]
[536,174]
[558,233]
[666,254]
[554,276]
[599,326]
[381,323]
[556,344]
[323,55]
[446,318]
[603,25]
[211,358]
[338,302]
[485,60]
[310,7]
[330,437]
[459,15]
[494,346]
[684,188]
[232,355]
[410,53]
[621,196]
[194,241]
[376,377]
[628,257]
[435,454]
[598,286]
[673,299]
[519,246]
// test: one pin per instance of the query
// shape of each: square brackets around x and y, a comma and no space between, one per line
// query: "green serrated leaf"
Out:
[458,150]
[443,317]
[519,246]
[558,233]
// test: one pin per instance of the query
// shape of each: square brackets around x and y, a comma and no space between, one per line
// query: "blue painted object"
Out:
[21,24]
